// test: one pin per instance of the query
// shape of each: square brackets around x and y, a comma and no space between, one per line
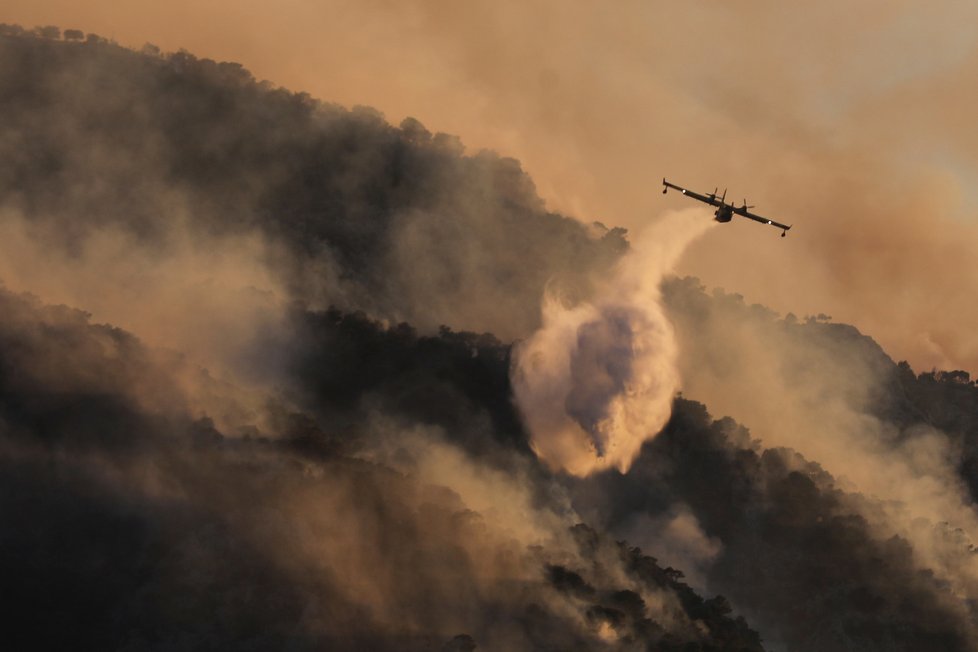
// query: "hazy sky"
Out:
[852,121]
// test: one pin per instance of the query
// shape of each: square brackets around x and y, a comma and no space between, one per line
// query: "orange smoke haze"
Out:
[852,122]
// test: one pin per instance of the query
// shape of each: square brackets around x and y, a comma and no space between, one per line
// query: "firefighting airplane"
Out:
[725,212]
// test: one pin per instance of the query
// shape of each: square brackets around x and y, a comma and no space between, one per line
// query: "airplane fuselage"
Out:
[724,213]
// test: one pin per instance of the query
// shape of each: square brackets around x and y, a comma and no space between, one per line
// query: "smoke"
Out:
[231,463]
[597,380]
[129,521]
[795,553]
[366,483]
[829,393]
[857,131]
[306,201]
[676,538]
[202,296]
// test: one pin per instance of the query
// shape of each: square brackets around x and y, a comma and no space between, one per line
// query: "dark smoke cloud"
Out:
[353,211]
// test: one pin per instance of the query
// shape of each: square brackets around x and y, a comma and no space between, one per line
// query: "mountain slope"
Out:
[297,427]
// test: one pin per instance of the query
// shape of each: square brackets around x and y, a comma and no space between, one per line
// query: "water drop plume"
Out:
[598,378]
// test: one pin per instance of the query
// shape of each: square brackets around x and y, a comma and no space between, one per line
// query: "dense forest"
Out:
[352,471]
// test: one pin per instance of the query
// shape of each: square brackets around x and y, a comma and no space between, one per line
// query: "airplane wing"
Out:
[707,199]
[743,212]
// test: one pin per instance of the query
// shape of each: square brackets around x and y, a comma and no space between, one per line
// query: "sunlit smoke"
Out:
[817,395]
[597,379]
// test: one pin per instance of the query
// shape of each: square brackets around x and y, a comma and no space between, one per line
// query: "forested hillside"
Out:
[301,433]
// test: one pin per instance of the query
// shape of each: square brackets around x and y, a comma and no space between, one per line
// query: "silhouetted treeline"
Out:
[455,380]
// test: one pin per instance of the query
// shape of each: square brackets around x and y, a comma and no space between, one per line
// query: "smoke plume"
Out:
[597,380]
[819,395]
